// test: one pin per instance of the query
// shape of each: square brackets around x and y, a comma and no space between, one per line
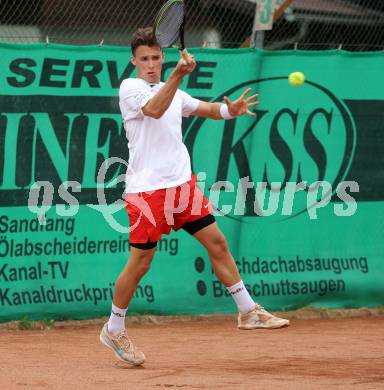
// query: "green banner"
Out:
[299,188]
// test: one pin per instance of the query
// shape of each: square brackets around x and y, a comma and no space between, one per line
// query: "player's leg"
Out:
[251,314]
[145,219]
[113,334]
[137,266]
[221,258]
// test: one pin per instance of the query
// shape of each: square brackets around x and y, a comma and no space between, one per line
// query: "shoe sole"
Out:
[263,327]
[105,342]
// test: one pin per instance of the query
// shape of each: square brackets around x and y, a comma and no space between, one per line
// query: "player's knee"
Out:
[219,247]
[143,264]
[146,264]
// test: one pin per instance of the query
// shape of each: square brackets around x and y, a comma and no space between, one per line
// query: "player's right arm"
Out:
[160,102]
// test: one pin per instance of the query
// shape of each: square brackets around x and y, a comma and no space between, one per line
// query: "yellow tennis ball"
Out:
[296,78]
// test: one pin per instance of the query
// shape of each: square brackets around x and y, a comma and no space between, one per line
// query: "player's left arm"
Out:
[228,110]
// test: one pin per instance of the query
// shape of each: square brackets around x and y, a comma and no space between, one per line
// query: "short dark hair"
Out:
[143,37]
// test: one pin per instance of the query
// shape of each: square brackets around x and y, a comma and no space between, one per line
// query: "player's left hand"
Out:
[241,105]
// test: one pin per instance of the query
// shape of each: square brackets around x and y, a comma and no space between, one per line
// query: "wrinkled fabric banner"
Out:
[298,189]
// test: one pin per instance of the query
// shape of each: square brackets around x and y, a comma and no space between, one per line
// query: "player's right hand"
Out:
[186,64]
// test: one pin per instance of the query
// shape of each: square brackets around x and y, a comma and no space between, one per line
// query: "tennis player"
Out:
[161,190]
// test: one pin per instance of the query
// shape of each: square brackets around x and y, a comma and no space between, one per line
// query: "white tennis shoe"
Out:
[259,318]
[122,346]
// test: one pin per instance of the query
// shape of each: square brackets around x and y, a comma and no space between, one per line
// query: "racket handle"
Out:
[182,46]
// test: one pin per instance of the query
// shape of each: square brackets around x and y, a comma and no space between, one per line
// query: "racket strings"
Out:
[168,25]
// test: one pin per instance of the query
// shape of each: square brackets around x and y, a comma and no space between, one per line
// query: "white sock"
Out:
[116,322]
[243,300]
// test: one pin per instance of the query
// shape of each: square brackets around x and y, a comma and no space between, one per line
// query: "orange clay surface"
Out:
[343,353]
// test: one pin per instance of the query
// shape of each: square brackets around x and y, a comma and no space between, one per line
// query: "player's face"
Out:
[148,61]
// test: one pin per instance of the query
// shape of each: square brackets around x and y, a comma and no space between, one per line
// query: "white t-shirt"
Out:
[158,157]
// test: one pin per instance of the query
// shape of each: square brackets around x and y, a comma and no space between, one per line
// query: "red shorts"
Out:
[152,214]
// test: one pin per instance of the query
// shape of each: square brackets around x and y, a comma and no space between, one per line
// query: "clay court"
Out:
[200,354]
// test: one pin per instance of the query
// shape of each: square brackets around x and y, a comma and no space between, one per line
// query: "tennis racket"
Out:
[169,24]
